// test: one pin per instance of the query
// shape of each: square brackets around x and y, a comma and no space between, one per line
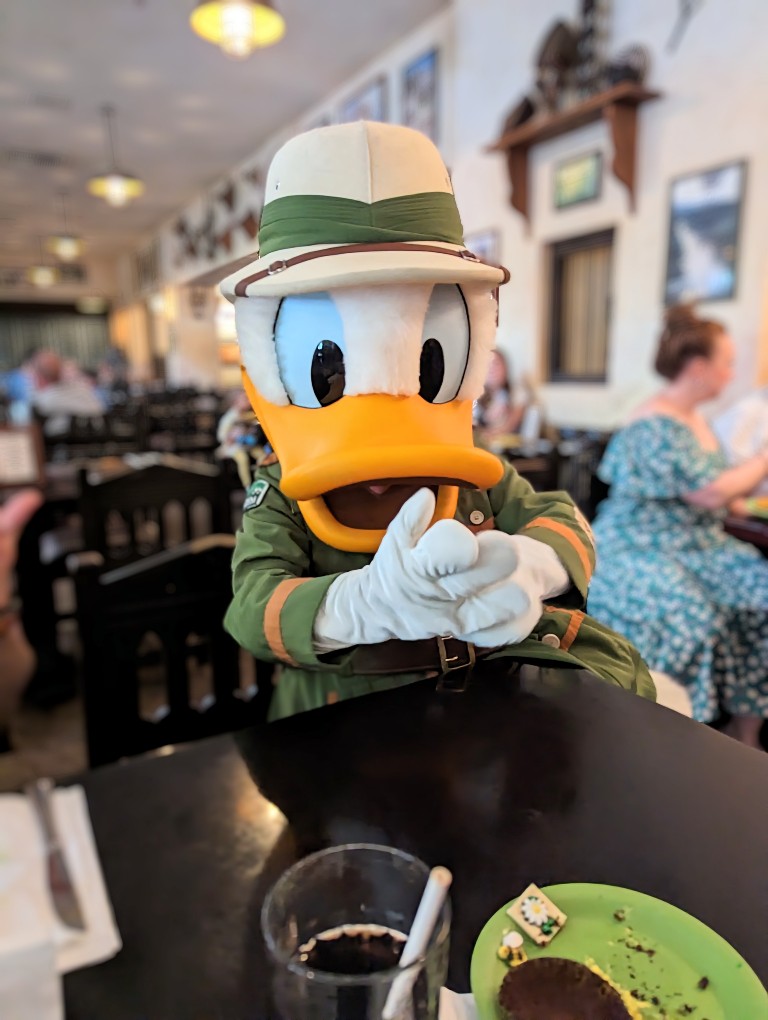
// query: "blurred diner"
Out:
[61,390]
[692,599]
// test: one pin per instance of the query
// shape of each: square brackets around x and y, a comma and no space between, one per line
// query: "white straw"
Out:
[424,922]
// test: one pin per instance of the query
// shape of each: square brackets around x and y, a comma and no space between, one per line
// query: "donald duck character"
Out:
[381,546]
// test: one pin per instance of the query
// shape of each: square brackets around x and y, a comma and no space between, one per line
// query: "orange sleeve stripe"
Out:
[570,536]
[272,629]
[569,637]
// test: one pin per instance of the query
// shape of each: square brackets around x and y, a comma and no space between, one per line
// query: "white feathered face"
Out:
[402,340]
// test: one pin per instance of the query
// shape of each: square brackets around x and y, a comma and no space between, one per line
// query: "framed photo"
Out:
[419,109]
[704,220]
[484,244]
[370,103]
[578,179]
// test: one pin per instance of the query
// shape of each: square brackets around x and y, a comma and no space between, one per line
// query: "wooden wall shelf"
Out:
[617,106]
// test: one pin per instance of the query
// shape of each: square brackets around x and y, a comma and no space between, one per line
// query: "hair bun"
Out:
[680,315]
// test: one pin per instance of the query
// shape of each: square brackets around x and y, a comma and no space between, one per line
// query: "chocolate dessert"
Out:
[558,989]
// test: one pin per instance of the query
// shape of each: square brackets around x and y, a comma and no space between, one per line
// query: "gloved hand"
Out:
[485,588]
[505,612]
[399,594]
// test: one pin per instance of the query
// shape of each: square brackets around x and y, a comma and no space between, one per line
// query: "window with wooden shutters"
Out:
[580,308]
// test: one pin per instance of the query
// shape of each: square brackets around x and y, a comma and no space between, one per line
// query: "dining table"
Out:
[749,529]
[531,774]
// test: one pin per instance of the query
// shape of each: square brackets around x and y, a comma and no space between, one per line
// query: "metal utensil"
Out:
[59,879]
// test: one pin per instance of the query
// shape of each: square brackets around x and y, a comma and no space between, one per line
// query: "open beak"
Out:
[379,443]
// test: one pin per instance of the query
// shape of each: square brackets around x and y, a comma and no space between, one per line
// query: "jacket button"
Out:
[476,517]
[552,640]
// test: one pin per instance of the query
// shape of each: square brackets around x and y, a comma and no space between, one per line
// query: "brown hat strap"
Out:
[350,249]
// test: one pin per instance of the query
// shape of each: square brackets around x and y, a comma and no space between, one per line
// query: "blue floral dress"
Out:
[692,599]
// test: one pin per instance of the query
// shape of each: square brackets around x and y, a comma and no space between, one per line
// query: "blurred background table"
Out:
[749,529]
[549,776]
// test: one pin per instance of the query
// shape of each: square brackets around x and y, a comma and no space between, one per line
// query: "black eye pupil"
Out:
[328,372]
[432,369]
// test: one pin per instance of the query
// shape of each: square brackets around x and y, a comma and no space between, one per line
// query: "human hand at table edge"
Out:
[14,514]
[16,657]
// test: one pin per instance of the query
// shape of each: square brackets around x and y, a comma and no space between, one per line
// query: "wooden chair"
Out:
[118,431]
[172,603]
[152,507]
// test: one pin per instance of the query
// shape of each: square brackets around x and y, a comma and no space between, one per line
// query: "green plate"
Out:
[685,952]
[758,506]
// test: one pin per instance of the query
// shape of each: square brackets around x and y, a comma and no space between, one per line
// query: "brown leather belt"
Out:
[450,659]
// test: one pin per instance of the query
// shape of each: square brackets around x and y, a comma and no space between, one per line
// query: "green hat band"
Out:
[300,220]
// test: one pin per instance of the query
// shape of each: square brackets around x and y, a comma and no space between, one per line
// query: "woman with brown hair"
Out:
[691,598]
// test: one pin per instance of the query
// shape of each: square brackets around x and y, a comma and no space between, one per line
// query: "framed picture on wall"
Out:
[419,97]
[704,220]
[578,179]
[485,244]
[370,103]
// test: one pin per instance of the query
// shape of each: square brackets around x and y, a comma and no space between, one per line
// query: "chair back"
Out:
[152,507]
[121,430]
[158,667]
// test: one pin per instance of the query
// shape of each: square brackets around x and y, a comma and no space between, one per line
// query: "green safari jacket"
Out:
[281,572]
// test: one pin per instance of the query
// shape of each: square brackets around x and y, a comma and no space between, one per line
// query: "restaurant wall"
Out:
[711,112]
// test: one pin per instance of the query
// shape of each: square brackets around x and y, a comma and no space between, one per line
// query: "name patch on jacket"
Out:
[255,495]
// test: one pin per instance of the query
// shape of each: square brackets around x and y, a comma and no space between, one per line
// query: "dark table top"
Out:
[749,529]
[548,776]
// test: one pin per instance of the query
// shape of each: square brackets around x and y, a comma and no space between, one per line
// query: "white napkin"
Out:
[35,947]
[456,1007]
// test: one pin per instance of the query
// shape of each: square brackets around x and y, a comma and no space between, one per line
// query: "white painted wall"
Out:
[715,90]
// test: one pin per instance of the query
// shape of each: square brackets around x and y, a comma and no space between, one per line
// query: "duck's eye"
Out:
[309,342]
[431,369]
[328,372]
[445,345]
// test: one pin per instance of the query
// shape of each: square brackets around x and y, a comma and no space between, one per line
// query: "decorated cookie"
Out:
[511,949]
[537,915]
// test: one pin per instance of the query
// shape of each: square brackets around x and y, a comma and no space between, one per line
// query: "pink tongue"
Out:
[377,490]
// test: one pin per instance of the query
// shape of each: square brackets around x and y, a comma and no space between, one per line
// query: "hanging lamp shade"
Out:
[115,186]
[43,276]
[238,26]
[40,274]
[64,245]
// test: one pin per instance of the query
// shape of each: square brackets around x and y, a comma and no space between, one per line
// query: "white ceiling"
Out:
[186,113]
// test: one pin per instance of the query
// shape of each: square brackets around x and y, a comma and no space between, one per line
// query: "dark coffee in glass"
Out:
[335,926]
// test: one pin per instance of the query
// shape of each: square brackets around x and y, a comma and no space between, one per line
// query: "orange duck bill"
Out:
[353,464]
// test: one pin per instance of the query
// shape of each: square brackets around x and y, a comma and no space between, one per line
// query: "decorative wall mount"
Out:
[618,106]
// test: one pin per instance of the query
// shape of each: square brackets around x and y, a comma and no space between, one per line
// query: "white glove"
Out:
[505,612]
[399,594]
[485,588]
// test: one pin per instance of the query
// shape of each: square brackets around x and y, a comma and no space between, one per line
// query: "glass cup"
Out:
[335,924]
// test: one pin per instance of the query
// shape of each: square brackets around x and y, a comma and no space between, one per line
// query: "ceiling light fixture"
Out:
[114,186]
[42,275]
[238,26]
[65,246]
